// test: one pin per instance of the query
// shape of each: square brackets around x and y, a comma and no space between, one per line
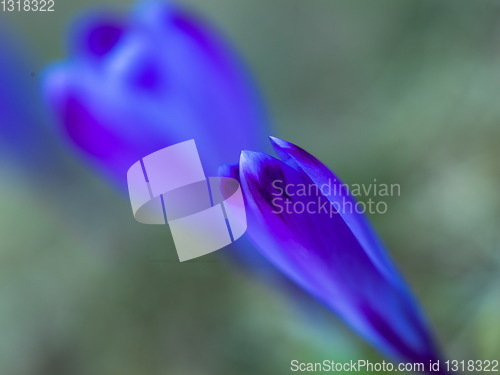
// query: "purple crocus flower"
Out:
[133,86]
[336,257]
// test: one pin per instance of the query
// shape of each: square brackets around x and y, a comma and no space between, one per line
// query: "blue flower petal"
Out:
[337,193]
[131,87]
[319,250]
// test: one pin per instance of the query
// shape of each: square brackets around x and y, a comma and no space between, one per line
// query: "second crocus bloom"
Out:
[133,86]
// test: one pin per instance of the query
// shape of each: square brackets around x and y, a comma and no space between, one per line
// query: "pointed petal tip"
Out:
[253,162]
[272,138]
[279,142]
[283,148]
[247,155]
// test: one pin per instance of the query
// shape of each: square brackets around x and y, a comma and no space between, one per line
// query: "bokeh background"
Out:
[405,92]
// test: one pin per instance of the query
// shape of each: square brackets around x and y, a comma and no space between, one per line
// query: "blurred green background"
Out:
[402,91]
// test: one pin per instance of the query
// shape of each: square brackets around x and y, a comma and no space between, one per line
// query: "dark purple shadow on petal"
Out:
[385,330]
[380,324]
[102,38]
[87,132]
[95,35]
